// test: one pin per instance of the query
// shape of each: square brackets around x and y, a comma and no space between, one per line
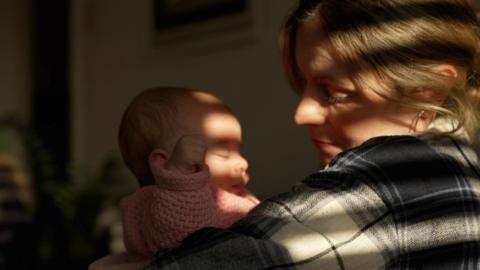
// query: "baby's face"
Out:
[228,168]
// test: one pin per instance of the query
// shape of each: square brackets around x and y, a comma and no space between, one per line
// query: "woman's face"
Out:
[339,114]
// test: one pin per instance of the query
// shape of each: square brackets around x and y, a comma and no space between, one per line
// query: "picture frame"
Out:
[174,13]
[202,25]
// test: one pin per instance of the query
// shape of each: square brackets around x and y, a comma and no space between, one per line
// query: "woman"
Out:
[390,92]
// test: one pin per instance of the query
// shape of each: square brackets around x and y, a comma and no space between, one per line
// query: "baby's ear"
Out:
[157,160]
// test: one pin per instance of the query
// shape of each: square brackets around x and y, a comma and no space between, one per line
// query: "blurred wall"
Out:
[116,53]
[15,55]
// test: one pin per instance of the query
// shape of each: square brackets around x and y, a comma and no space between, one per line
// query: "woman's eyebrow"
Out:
[337,81]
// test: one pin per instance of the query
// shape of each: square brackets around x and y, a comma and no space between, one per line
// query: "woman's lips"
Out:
[320,142]
[327,146]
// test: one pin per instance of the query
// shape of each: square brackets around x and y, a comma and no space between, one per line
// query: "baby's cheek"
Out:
[218,173]
[216,182]
[214,166]
[220,182]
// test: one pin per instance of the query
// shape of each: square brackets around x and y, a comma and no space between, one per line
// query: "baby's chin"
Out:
[233,186]
[234,189]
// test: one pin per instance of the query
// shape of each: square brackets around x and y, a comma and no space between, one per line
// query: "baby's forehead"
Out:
[202,105]
[203,102]
[214,120]
[206,98]
[206,116]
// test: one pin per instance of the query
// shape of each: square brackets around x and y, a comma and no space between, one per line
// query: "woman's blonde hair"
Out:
[402,41]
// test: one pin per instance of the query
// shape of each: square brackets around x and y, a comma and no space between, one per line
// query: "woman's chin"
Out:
[326,151]
[325,157]
[323,161]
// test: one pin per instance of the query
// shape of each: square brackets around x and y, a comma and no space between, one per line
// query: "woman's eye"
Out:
[332,94]
[336,98]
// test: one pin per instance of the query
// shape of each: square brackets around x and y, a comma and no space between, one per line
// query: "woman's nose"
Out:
[310,111]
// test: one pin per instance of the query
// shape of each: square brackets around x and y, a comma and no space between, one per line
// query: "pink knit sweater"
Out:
[160,216]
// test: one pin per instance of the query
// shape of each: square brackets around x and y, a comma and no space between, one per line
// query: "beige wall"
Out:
[115,54]
[15,55]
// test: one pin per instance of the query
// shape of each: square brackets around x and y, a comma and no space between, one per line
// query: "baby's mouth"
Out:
[237,189]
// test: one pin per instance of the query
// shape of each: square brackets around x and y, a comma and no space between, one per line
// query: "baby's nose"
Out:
[241,165]
[240,169]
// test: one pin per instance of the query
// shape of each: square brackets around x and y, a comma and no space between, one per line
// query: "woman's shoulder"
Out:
[406,150]
[383,151]
[407,167]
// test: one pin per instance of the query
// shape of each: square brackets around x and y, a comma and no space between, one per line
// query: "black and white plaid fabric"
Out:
[393,203]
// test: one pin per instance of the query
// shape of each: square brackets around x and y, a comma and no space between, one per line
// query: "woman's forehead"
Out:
[314,54]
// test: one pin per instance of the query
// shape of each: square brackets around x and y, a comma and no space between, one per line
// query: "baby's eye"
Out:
[225,156]
[222,153]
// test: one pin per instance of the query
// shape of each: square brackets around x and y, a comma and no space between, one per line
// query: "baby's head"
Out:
[158,117]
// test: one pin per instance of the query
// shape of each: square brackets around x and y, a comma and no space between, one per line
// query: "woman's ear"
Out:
[157,160]
[448,71]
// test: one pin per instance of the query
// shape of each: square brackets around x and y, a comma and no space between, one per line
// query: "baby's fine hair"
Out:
[401,41]
[152,120]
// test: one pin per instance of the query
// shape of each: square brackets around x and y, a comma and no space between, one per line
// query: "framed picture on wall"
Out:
[181,25]
[174,13]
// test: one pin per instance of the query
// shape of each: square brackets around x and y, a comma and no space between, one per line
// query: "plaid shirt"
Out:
[397,202]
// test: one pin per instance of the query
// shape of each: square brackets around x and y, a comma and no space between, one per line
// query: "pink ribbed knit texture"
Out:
[160,216]
[232,207]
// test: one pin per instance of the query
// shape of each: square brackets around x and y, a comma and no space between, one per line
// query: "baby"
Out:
[183,146]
